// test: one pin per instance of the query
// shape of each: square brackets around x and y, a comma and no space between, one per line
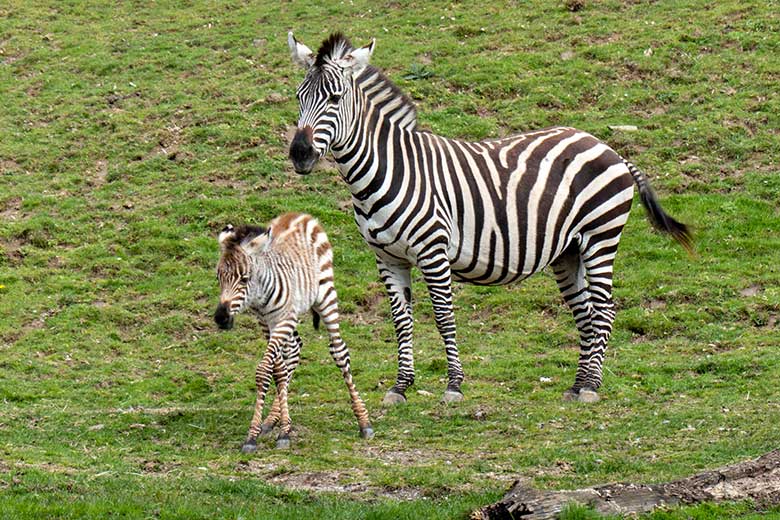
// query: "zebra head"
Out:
[234,270]
[326,97]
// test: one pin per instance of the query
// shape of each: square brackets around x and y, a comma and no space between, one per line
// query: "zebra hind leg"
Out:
[327,309]
[282,378]
[570,276]
[438,278]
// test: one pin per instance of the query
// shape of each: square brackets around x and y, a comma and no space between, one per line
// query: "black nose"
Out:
[302,152]
[223,318]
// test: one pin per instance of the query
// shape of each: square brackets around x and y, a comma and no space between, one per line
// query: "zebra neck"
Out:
[265,277]
[384,100]
[383,114]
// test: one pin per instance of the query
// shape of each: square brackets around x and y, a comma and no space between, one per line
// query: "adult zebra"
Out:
[491,212]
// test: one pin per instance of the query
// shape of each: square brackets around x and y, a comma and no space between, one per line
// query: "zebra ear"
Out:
[226,234]
[357,60]
[301,54]
[260,243]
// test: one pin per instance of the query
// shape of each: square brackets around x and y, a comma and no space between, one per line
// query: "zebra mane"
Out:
[371,79]
[383,89]
[334,47]
[244,233]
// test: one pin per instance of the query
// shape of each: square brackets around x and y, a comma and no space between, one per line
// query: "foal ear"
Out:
[227,233]
[357,60]
[301,54]
[260,244]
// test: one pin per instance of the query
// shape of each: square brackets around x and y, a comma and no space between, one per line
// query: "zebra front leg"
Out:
[398,282]
[438,277]
[262,382]
[280,334]
[291,353]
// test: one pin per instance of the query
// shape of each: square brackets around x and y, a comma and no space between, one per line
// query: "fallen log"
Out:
[757,480]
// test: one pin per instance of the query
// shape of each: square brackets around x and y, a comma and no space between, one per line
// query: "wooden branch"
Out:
[757,479]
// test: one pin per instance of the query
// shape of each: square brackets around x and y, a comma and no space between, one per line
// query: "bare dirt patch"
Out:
[370,307]
[11,209]
[353,482]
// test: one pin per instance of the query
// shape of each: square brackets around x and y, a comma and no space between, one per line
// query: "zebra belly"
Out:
[491,271]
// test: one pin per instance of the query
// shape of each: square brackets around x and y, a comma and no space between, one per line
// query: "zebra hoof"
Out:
[452,396]
[588,396]
[571,395]
[367,432]
[249,447]
[392,399]
[265,429]
[283,443]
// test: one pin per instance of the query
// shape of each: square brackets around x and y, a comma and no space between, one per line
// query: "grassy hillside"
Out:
[130,135]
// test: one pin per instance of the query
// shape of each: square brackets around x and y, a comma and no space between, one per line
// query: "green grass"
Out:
[130,134]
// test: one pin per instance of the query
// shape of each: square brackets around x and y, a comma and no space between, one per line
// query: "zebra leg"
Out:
[262,381]
[438,278]
[598,269]
[278,337]
[570,277]
[398,282]
[282,378]
[291,353]
[327,307]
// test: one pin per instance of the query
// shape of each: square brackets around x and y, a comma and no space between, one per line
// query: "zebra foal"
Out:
[489,213]
[279,274]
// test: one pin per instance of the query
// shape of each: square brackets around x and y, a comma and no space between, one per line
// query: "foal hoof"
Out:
[452,396]
[367,432]
[249,447]
[393,398]
[588,396]
[283,443]
[265,429]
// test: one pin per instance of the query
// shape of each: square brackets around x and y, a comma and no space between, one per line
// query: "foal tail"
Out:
[315,319]
[660,219]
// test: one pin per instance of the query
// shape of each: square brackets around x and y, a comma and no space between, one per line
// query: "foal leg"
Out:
[327,308]
[262,382]
[291,353]
[282,378]
[278,337]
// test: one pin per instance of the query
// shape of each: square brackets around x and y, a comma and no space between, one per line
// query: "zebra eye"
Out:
[334,98]
[244,279]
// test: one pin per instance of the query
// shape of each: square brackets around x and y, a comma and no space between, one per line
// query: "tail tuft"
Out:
[660,220]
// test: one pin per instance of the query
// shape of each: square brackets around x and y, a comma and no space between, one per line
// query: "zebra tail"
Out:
[315,319]
[660,219]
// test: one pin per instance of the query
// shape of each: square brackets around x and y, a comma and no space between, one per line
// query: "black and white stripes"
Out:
[491,212]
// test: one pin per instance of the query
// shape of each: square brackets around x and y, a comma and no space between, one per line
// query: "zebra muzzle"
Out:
[223,318]
[302,151]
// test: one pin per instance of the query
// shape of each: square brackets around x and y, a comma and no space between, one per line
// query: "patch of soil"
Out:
[98,174]
[350,482]
[370,307]
[12,209]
